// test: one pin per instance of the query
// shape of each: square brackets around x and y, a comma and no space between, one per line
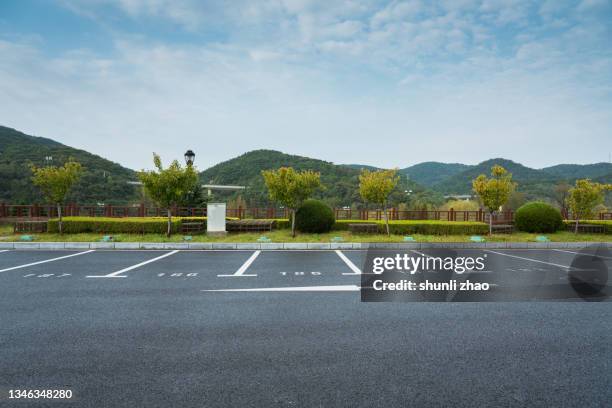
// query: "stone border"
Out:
[293,245]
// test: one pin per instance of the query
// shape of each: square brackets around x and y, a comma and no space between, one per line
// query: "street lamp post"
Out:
[189,157]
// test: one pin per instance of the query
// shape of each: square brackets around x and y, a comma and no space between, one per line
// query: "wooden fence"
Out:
[10,211]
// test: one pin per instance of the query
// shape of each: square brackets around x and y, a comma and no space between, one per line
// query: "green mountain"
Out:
[534,183]
[341,182]
[106,181]
[361,166]
[571,172]
[102,181]
[605,179]
[431,173]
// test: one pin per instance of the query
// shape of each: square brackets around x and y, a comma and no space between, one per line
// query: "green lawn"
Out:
[6,234]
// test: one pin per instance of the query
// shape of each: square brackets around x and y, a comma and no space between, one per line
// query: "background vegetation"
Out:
[422,186]
[102,181]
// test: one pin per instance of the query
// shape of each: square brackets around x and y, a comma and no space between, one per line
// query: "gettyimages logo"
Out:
[411,264]
[475,275]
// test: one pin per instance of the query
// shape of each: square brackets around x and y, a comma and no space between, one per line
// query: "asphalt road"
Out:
[161,329]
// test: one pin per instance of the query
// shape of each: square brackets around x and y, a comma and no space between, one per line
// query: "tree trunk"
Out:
[491,223]
[386,218]
[59,214]
[293,223]
[576,228]
[169,223]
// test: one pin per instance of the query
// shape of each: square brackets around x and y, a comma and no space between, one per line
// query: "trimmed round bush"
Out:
[537,216]
[314,216]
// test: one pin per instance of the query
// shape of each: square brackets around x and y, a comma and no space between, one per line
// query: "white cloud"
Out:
[589,5]
[427,80]
[396,11]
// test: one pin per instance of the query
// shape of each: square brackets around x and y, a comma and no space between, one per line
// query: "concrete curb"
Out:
[247,246]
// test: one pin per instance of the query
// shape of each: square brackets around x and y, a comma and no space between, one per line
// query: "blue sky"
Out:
[386,83]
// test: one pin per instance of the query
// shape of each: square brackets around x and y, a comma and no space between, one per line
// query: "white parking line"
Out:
[129,268]
[356,270]
[529,259]
[241,272]
[4,250]
[580,253]
[334,288]
[46,260]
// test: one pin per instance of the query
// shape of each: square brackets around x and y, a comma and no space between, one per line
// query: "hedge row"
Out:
[158,225]
[127,225]
[424,227]
[606,223]
[405,227]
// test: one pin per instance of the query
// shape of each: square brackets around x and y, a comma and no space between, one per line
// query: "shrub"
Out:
[148,225]
[438,227]
[425,227]
[157,225]
[342,225]
[537,216]
[278,223]
[314,216]
[131,225]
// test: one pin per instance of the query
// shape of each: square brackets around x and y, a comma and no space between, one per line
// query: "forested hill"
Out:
[106,182]
[534,183]
[432,173]
[341,182]
[102,181]
[574,171]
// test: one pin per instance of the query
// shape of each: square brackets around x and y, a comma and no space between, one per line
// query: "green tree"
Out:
[291,188]
[494,192]
[168,187]
[376,186]
[583,197]
[195,198]
[561,195]
[55,183]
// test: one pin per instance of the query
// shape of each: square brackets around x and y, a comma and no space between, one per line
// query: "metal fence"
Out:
[10,211]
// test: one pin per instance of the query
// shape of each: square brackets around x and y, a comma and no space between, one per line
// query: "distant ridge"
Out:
[362,166]
[432,173]
[574,171]
[531,181]
[106,181]
[341,181]
[102,181]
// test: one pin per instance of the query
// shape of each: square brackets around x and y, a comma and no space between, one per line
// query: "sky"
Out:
[383,83]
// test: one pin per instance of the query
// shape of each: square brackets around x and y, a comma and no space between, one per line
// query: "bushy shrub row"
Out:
[127,225]
[343,225]
[436,227]
[158,225]
[405,227]
[425,227]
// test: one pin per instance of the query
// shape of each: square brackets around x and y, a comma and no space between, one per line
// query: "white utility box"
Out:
[215,222]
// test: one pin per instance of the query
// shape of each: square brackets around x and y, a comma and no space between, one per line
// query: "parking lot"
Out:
[286,328]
